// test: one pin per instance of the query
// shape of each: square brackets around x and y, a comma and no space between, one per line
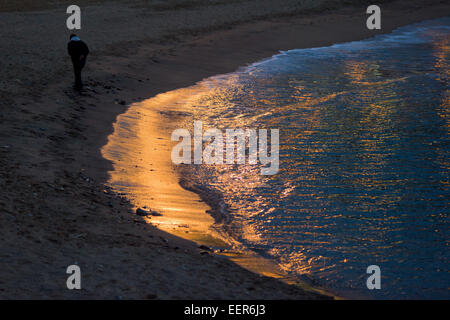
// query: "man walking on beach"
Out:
[78,51]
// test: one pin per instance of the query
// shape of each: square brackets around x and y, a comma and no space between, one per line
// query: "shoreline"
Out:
[216,235]
[139,149]
[50,145]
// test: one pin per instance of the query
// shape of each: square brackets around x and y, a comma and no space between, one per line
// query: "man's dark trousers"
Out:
[78,65]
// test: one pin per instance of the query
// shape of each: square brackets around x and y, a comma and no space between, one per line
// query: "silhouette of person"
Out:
[78,51]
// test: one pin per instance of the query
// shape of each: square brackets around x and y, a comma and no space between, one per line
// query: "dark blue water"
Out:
[364,161]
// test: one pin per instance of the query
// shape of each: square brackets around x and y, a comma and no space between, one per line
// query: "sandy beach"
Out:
[55,208]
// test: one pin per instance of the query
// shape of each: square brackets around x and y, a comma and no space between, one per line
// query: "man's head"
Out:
[74,37]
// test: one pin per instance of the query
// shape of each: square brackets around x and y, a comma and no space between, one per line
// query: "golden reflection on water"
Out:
[441,51]
[140,151]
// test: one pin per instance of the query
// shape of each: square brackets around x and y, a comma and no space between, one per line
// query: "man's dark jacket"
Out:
[77,49]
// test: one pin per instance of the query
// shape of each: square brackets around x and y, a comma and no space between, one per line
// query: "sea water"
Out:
[364,161]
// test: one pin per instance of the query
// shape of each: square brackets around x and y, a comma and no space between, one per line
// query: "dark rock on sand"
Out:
[142,212]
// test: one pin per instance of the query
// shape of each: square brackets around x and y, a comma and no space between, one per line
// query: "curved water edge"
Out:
[139,149]
[364,163]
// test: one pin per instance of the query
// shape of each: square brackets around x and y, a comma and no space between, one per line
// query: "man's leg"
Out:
[81,64]
[77,72]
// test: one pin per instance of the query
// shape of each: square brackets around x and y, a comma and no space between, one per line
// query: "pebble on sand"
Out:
[144,213]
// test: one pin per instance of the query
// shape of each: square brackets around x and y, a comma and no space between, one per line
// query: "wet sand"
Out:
[140,150]
[55,208]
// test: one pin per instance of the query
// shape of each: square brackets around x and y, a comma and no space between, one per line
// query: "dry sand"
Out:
[55,210]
